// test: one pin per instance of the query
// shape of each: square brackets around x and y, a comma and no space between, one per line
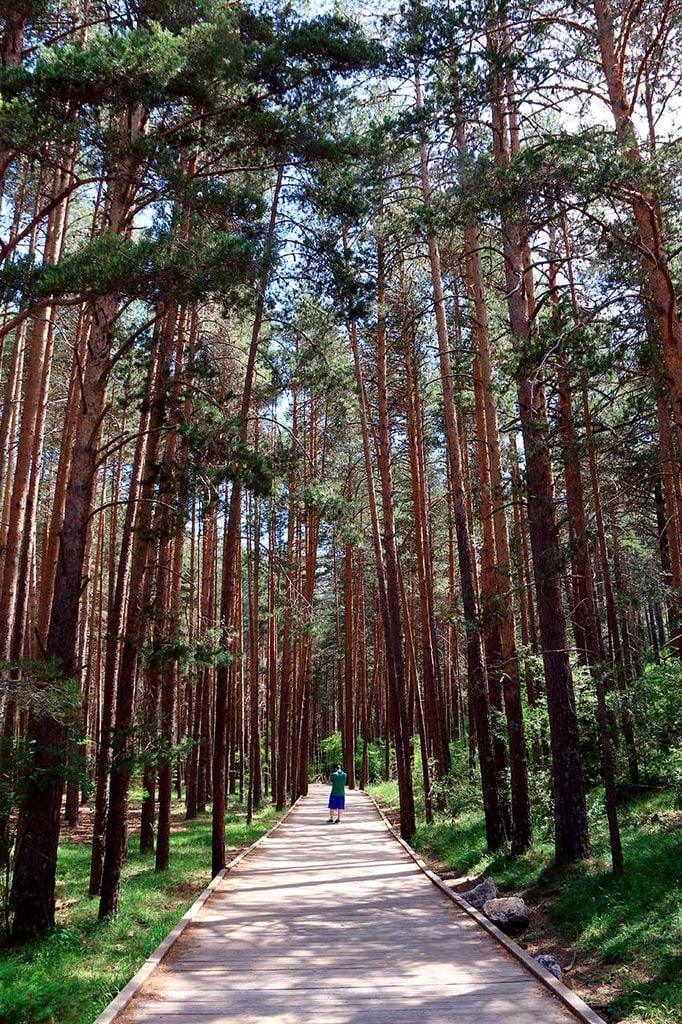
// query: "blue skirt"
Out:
[337,803]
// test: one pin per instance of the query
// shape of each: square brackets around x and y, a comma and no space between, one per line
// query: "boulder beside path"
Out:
[480,894]
[511,914]
[550,964]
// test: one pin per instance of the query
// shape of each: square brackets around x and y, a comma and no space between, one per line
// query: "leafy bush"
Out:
[657,706]
[675,776]
[331,751]
[459,791]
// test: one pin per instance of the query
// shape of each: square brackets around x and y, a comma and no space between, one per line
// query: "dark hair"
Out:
[337,767]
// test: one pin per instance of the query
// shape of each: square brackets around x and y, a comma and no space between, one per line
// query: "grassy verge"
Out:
[624,935]
[70,976]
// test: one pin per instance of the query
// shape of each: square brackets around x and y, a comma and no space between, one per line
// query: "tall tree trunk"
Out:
[394,631]
[40,347]
[433,697]
[417,698]
[478,691]
[349,638]
[255,792]
[570,809]
[390,611]
[610,599]
[646,208]
[116,834]
[171,549]
[115,619]
[170,709]
[233,530]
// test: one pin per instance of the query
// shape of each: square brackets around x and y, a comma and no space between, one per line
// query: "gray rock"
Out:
[550,964]
[476,897]
[510,913]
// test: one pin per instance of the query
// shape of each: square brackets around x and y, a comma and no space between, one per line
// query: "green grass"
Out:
[628,929]
[70,976]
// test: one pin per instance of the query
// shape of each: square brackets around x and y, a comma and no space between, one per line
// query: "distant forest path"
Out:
[336,924]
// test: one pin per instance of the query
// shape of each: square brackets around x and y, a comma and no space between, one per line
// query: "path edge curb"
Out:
[573,1002]
[123,998]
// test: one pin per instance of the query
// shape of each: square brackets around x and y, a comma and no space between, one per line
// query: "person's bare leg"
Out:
[338,815]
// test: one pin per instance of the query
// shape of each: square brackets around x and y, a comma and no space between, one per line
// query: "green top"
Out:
[339,780]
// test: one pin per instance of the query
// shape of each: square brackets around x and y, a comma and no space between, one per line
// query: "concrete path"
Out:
[336,924]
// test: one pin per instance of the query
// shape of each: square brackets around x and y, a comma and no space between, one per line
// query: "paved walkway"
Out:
[336,924]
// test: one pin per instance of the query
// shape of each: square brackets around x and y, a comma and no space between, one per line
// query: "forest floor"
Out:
[70,976]
[618,940]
